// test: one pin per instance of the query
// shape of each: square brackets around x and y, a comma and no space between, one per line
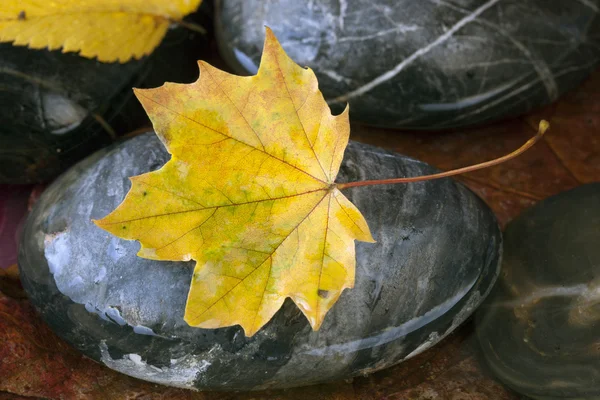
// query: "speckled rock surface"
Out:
[424,64]
[540,329]
[436,257]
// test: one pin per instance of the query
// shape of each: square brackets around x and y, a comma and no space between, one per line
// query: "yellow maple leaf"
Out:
[249,194]
[108,29]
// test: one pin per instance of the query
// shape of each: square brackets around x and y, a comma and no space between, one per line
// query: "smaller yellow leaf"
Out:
[108,29]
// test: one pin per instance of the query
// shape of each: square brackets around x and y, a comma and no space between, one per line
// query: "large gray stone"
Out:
[424,64]
[540,328]
[436,257]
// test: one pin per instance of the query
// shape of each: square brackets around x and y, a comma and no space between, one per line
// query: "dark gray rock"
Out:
[436,257]
[50,106]
[427,64]
[540,329]
[55,107]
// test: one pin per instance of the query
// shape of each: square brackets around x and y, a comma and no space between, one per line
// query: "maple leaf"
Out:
[248,193]
[108,29]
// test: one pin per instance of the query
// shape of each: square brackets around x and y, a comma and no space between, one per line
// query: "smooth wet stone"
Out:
[436,257]
[55,108]
[424,64]
[540,327]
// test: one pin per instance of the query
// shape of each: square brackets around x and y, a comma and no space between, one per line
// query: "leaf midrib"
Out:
[215,207]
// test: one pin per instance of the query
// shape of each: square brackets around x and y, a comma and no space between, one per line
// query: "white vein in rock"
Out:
[539,64]
[343,8]
[589,4]
[397,29]
[414,56]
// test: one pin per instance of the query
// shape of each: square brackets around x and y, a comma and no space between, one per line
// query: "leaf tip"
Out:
[98,222]
[316,319]
[368,238]
[345,114]
[316,325]
[270,39]
[139,92]
[101,223]
[202,65]
[250,332]
[269,32]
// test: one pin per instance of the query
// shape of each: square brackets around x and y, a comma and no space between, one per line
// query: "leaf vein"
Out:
[236,108]
[208,208]
[231,137]
[198,315]
[298,117]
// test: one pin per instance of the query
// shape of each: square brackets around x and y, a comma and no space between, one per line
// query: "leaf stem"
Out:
[105,125]
[191,26]
[543,127]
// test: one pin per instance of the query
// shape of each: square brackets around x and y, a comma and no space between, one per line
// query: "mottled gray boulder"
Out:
[436,257]
[540,328]
[428,63]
